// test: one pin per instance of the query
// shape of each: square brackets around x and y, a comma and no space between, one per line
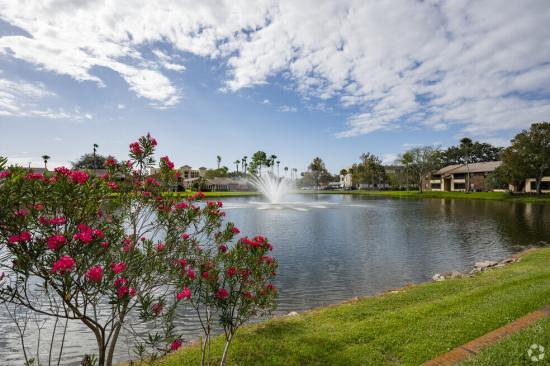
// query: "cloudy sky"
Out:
[295,78]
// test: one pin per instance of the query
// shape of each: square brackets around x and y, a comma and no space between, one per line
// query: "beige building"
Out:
[345,180]
[453,178]
[531,185]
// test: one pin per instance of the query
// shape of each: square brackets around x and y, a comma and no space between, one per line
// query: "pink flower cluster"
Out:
[56,241]
[166,160]
[86,234]
[135,148]
[78,176]
[64,264]
[94,274]
[256,242]
[176,345]
[22,237]
[185,294]
[56,221]
[118,267]
[4,174]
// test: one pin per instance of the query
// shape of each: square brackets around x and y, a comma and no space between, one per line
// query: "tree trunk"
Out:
[539,183]
[226,351]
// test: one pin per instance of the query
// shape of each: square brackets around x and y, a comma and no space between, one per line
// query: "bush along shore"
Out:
[407,326]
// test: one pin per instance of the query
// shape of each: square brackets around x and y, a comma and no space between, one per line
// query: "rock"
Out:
[482,266]
[507,260]
[438,277]
[456,274]
[292,313]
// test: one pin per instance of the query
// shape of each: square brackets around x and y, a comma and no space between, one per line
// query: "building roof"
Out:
[225,181]
[483,167]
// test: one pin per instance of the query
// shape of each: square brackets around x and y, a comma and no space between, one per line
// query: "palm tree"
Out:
[466,144]
[278,163]
[45,158]
[286,170]
[95,161]
[243,162]
[219,158]
[237,162]
[245,167]
[272,159]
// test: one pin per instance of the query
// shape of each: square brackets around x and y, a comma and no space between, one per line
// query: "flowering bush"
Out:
[95,249]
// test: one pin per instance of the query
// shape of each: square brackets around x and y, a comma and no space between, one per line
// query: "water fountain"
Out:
[272,187]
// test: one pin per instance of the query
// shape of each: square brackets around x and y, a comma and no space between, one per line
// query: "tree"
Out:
[219,159]
[95,150]
[529,155]
[237,162]
[272,159]
[72,250]
[406,161]
[91,161]
[278,163]
[425,160]
[465,145]
[286,170]
[318,171]
[243,161]
[477,152]
[259,159]
[45,158]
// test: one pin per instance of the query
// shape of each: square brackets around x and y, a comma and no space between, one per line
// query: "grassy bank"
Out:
[403,328]
[495,196]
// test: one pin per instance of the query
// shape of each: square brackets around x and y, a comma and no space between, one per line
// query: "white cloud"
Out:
[477,64]
[389,159]
[287,108]
[24,99]
[121,106]
[266,101]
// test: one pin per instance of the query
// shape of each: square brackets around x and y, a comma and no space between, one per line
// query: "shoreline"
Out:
[480,270]
[487,196]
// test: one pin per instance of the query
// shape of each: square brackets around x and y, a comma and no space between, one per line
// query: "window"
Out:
[436,185]
[459,186]
[545,186]
[459,176]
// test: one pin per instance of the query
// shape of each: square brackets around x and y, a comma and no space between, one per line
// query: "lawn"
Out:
[495,196]
[513,350]
[403,328]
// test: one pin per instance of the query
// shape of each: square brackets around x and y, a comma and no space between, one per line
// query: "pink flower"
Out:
[181,205]
[43,220]
[34,176]
[38,207]
[22,212]
[99,234]
[112,185]
[110,162]
[85,234]
[185,294]
[156,308]
[191,274]
[235,230]
[176,345]
[4,174]
[64,264]
[135,148]
[25,236]
[222,293]
[104,244]
[122,292]
[222,248]
[55,241]
[185,236]
[62,171]
[205,275]
[118,267]
[132,292]
[220,204]
[167,161]
[160,246]
[13,239]
[231,271]
[60,220]
[78,176]
[95,274]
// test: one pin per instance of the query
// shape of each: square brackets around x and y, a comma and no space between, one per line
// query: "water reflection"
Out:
[343,246]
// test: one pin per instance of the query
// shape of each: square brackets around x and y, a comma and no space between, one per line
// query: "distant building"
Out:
[221,184]
[453,178]
[531,185]
[346,179]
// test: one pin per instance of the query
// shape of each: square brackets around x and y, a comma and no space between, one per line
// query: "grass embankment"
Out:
[495,196]
[404,328]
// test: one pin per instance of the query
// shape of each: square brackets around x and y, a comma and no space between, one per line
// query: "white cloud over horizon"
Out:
[480,66]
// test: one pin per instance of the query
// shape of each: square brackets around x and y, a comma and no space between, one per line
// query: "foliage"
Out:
[369,170]
[90,161]
[114,252]
[3,162]
[421,161]
[214,173]
[529,155]
[477,152]
[318,171]
[404,327]
[259,159]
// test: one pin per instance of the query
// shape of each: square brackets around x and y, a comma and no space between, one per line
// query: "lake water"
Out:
[334,247]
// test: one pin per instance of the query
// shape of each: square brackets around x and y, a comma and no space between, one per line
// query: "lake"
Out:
[334,247]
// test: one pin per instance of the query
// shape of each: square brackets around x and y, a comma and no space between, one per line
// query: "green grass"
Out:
[512,351]
[496,196]
[404,328]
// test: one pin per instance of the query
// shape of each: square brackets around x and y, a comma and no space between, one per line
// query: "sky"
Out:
[297,79]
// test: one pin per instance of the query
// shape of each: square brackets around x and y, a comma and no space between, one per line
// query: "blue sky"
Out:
[323,78]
